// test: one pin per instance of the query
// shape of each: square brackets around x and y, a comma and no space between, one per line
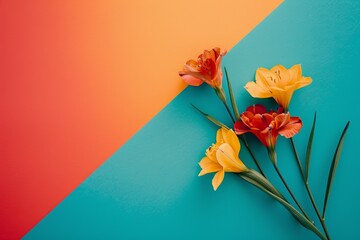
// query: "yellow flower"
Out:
[223,156]
[279,83]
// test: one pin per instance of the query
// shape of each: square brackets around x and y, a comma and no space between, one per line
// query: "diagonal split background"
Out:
[149,187]
[80,78]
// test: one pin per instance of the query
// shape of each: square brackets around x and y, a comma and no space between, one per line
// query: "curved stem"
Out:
[322,220]
[289,190]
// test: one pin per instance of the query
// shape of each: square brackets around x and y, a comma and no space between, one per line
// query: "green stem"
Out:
[220,93]
[297,158]
[322,220]
[228,109]
[291,193]
[263,184]
[272,156]
[243,138]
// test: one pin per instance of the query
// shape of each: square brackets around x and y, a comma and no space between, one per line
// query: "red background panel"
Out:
[79,78]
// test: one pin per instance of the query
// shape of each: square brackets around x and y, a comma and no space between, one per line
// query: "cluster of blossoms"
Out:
[278,83]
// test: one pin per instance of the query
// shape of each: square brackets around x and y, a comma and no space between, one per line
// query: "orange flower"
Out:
[207,69]
[266,126]
[223,156]
[278,83]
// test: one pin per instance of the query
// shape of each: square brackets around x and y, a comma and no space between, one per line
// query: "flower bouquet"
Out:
[278,83]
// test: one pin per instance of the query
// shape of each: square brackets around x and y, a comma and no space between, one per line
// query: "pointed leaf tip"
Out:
[333,167]
[210,118]
[309,148]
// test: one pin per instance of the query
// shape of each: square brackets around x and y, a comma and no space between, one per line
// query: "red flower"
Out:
[205,69]
[266,126]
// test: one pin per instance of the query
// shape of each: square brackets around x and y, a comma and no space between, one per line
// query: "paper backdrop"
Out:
[79,78]
[150,189]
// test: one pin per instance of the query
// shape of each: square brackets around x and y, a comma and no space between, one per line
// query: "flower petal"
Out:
[231,138]
[209,55]
[292,128]
[219,58]
[216,51]
[240,128]
[191,80]
[220,135]
[217,180]
[246,116]
[283,76]
[209,166]
[281,120]
[188,70]
[295,73]
[282,97]
[192,65]
[209,69]
[268,118]
[228,159]
[259,122]
[211,152]
[265,137]
[256,108]
[265,78]
[304,81]
[257,91]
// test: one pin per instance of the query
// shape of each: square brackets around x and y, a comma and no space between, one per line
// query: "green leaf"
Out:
[211,119]
[308,150]
[333,167]
[254,175]
[297,159]
[232,99]
[305,222]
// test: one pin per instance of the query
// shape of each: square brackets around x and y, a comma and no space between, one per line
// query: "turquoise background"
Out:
[149,189]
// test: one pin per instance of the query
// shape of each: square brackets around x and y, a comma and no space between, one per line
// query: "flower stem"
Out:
[266,186]
[272,156]
[243,138]
[221,94]
[228,109]
[297,158]
[289,190]
[322,220]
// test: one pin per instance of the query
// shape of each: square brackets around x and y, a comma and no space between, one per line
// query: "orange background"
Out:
[79,78]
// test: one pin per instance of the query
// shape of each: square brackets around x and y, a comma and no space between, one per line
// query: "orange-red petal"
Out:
[281,120]
[292,128]
[240,128]
[191,80]
[256,108]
